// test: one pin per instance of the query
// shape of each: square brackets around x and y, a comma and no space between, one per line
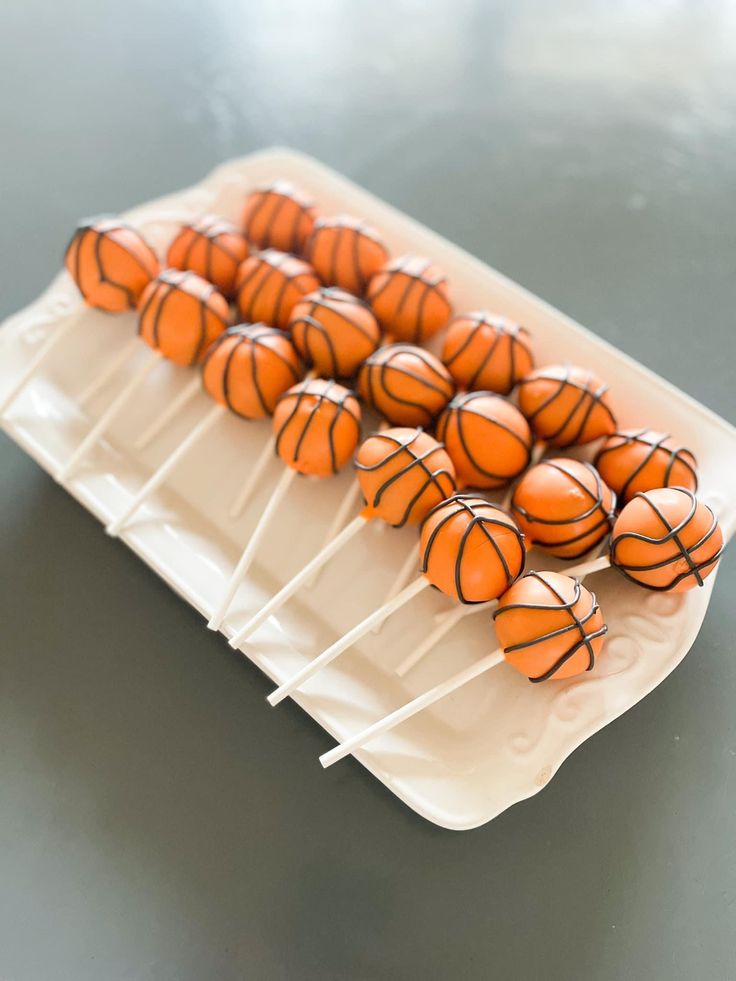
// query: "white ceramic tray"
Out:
[498,740]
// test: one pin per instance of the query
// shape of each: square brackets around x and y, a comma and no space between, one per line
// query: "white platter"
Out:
[500,739]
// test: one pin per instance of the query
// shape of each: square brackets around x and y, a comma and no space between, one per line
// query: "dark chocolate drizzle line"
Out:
[577,624]
[433,478]
[502,330]
[595,397]
[322,394]
[400,267]
[325,299]
[694,569]
[381,363]
[478,509]
[655,447]
[457,410]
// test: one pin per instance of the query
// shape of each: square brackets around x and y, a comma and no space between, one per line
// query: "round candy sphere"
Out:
[317,427]
[269,283]
[566,405]
[405,384]
[471,549]
[345,252]
[211,247]
[334,331]
[549,626]
[482,351]
[249,367]
[279,216]
[563,506]
[410,298]
[488,439]
[403,474]
[111,263]
[180,315]
[634,460]
[666,540]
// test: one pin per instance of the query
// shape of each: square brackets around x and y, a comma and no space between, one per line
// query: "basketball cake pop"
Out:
[409,296]
[488,439]
[486,352]
[211,247]
[566,405]
[279,216]
[405,384]
[269,284]
[180,314]
[334,331]
[563,506]
[634,460]
[345,252]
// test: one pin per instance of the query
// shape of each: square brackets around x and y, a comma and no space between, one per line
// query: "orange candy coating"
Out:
[334,331]
[269,284]
[403,474]
[410,298]
[634,460]
[345,252]
[564,507]
[180,315]
[483,351]
[488,439]
[471,549]
[566,405]
[549,626]
[405,384]
[249,367]
[279,216]
[317,427]
[666,540]
[211,247]
[111,263]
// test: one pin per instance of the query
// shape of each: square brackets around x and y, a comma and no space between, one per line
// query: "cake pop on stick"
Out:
[269,284]
[180,315]
[317,428]
[211,247]
[566,405]
[245,371]
[402,474]
[279,216]
[345,252]
[485,352]
[470,550]
[635,460]
[409,296]
[405,384]
[549,627]
[333,331]
[111,264]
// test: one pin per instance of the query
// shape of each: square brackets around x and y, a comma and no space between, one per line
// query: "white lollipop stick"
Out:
[108,416]
[409,566]
[56,337]
[348,640]
[253,478]
[246,559]
[348,504]
[108,372]
[411,708]
[158,477]
[171,411]
[277,601]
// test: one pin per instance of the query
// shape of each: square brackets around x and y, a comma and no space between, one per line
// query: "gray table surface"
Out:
[157,821]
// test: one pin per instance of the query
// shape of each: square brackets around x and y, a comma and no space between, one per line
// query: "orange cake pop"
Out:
[566,405]
[345,252]
[279,216]
[269,284]
[406,384]
[111,263]
[471,549]
[564,507]
[403,474]
[488,439]
[334,331]
[483,351]
[249,367]
[317,427]
[549,626]
[211,247]
[634,460]
[410,298]
[666,540]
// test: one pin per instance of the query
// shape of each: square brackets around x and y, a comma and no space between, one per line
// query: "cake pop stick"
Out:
[109,371]
[317,427]
[170,412]
[470,550]
[47,347]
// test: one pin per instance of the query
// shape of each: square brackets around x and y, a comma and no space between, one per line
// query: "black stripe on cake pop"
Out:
[654,441]
[672,534]
[576,624]
[483,515]
[321,392]
[592,395]
[420,461]
[381,363]
[502,330]
[430,284]
[324,299]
